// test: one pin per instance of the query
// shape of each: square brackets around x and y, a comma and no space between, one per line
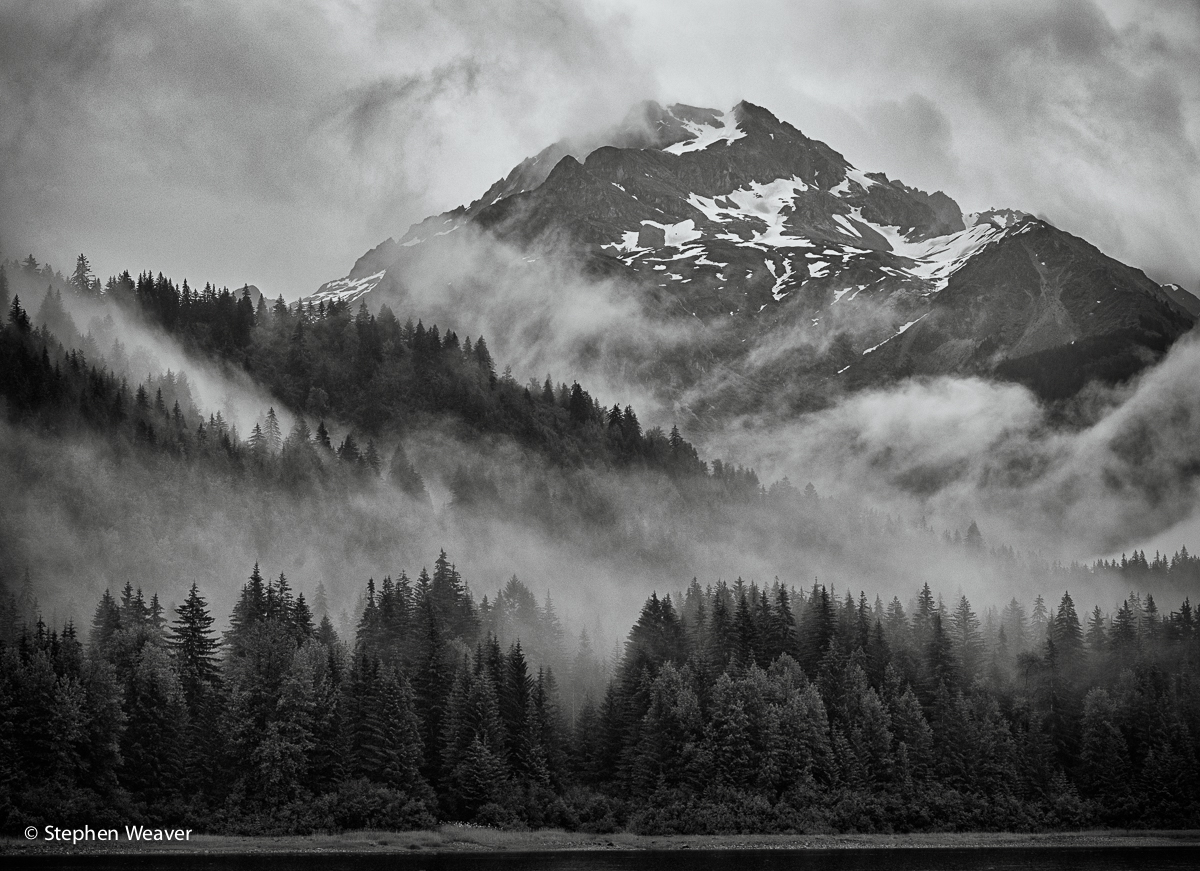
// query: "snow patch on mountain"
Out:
[1002,218]
[900,332]
[780,278]
[936,259]
[347,289]
[726,130]
[856,176]
[769,203]
[844,222]
[677,235]
[838,294]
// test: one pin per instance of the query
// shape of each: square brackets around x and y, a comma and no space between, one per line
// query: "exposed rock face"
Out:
[774,241]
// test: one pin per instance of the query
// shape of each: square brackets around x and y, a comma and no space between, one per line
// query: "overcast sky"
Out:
[275,142]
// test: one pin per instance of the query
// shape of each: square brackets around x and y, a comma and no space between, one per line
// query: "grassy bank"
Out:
[459,838]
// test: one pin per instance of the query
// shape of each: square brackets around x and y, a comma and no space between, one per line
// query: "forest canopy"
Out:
[731,708]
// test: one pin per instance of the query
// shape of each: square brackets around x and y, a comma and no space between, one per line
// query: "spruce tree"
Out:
[967,638]
[302,620]
[1065,631]
[194,645]
[17,316]
[106,622]
[271,433]
[1040,623]
[817,626]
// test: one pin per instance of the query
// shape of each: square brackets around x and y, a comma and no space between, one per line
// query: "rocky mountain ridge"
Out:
[810,276]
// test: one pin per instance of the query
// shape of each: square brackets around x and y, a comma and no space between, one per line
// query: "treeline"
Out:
[375,374]
[733,708]
[1181,568]
[380,375]
[62,391]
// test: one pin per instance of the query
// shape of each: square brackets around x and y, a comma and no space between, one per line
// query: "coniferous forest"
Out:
[732,708]
[728,707]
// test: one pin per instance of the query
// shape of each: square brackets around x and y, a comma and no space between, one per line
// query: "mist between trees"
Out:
[742,709]
[729,707]
[339,446]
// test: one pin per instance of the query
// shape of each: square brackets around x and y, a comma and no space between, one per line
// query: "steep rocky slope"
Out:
[809,276]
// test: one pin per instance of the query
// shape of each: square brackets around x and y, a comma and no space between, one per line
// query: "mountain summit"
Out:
[810,276]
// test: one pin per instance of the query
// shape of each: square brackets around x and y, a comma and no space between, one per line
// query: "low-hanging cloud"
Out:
[950,448]
[540,315]
[1086,112]
[276,142]
[282,141]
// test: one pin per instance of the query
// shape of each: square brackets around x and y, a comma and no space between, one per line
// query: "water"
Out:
[945,859]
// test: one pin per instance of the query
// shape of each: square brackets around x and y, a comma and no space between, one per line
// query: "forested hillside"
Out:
[113,454]
[373,373]
[741,706]
[732,708]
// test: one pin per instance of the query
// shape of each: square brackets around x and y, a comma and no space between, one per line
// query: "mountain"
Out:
[808,276]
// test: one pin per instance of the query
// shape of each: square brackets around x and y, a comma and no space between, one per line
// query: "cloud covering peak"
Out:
[274,143]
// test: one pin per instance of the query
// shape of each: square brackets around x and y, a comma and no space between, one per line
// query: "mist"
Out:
[273,126]
[114,516]
[1110,470]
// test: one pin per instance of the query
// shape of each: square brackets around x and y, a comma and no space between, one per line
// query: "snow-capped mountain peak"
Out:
[772,239]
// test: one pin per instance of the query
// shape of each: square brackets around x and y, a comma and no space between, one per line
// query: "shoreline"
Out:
[474,839]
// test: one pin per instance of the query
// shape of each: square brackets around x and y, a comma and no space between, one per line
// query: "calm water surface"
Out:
[986,859]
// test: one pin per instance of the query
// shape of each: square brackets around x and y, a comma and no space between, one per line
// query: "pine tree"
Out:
[484,360]
[783,630]
[302,620]
[923,617]
[1066,633]
[106,622]
[974,538]
[817,626]
[967,639]
[514,694]
[320,606]
[323,437]
[578,407]
[1124,639]
[250,609]
[325,633]
[941,668]
[153,748]
[271,433]
[402,752]
[1040,624]
[194,645]
[364,742]
[1105,769]
[1015,624]
[257,441]
[371,458]
[403,474]
[81,278]
[430,676]
[348,451]
[656,638]
[17,316]
[288,740]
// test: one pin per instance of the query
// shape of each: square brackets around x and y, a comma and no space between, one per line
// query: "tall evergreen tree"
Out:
[194,645]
